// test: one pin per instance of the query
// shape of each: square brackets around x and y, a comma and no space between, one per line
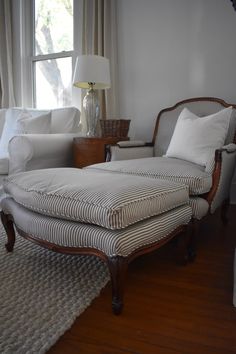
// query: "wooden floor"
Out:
[169,309]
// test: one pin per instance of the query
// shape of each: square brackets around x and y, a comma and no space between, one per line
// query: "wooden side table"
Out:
[88,151]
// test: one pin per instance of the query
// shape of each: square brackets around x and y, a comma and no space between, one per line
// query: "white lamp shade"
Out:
[92,69]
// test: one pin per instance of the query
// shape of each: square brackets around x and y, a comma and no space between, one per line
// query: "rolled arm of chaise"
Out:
[128,150]
[36,151]
[225,159]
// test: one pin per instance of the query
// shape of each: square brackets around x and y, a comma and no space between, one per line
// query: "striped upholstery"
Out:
[170,169]
[130,153]
[210,165]
[111,242]
[199,207]
[112,201]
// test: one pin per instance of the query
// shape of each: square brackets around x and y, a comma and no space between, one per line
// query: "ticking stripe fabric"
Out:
[199,207]
[113,201]
[174,170]
[111,242]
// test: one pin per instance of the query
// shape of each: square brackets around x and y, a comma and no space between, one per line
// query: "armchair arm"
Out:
[227,148]
[222,176]
[131,143]
[36,151]
[128,150]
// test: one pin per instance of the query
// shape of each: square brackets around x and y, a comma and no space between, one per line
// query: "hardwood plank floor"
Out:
[169,309]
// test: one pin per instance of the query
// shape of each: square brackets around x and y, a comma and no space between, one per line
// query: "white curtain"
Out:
[100,38]
[7,98]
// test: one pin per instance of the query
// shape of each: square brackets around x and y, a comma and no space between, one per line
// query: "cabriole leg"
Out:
[9,228]
[193,229]
[182,244]
[118,268]
[186,251]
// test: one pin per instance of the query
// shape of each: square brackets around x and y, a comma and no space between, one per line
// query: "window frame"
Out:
[28,58]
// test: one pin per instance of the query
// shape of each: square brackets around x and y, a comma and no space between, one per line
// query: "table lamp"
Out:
[92,72]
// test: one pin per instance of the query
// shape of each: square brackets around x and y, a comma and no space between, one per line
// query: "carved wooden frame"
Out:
[117,265]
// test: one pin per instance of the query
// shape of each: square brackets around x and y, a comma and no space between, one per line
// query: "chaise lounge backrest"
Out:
[167,119]
[222,168]
[217,169]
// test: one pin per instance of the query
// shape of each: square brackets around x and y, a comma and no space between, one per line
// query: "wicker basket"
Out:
[115,127]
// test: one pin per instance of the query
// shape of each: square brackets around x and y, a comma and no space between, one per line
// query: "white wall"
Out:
[169,50]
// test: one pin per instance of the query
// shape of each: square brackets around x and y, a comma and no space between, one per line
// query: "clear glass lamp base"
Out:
[92,111]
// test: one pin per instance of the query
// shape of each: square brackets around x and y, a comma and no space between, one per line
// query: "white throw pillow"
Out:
[26,124]
[11,126]
[65,120]
[195,139]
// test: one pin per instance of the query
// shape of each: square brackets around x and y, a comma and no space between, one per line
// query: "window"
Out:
[53,48]
[50,37]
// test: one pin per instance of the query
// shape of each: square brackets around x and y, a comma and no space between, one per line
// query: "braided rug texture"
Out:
[42,293]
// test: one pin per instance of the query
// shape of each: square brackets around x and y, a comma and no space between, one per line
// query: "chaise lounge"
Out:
[113,210]
[116,218]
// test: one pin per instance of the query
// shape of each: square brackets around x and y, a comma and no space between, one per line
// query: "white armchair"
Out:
[37,150]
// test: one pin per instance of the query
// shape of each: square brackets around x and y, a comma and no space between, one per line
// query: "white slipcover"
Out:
[34,151]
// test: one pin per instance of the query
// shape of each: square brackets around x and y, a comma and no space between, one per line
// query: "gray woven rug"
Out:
[42,293]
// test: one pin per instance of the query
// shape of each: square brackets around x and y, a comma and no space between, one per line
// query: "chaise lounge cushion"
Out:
[111,201]
[170,169]
[121,242]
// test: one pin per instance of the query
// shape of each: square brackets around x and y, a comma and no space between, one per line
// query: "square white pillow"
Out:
[11,126]
[65,120]
[26,124]
[195,139]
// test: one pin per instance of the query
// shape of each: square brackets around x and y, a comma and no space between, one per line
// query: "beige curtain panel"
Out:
[100,38]
[7,98]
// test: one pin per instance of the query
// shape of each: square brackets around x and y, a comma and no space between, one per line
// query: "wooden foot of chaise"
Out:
[118,267]
[186,250]
[193,229]
[9,228]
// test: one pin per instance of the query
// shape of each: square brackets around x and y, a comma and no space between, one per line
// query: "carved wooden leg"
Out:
[186,250]
[8,226]
[193,228]
[118,267]
[224,210]
[182,247]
